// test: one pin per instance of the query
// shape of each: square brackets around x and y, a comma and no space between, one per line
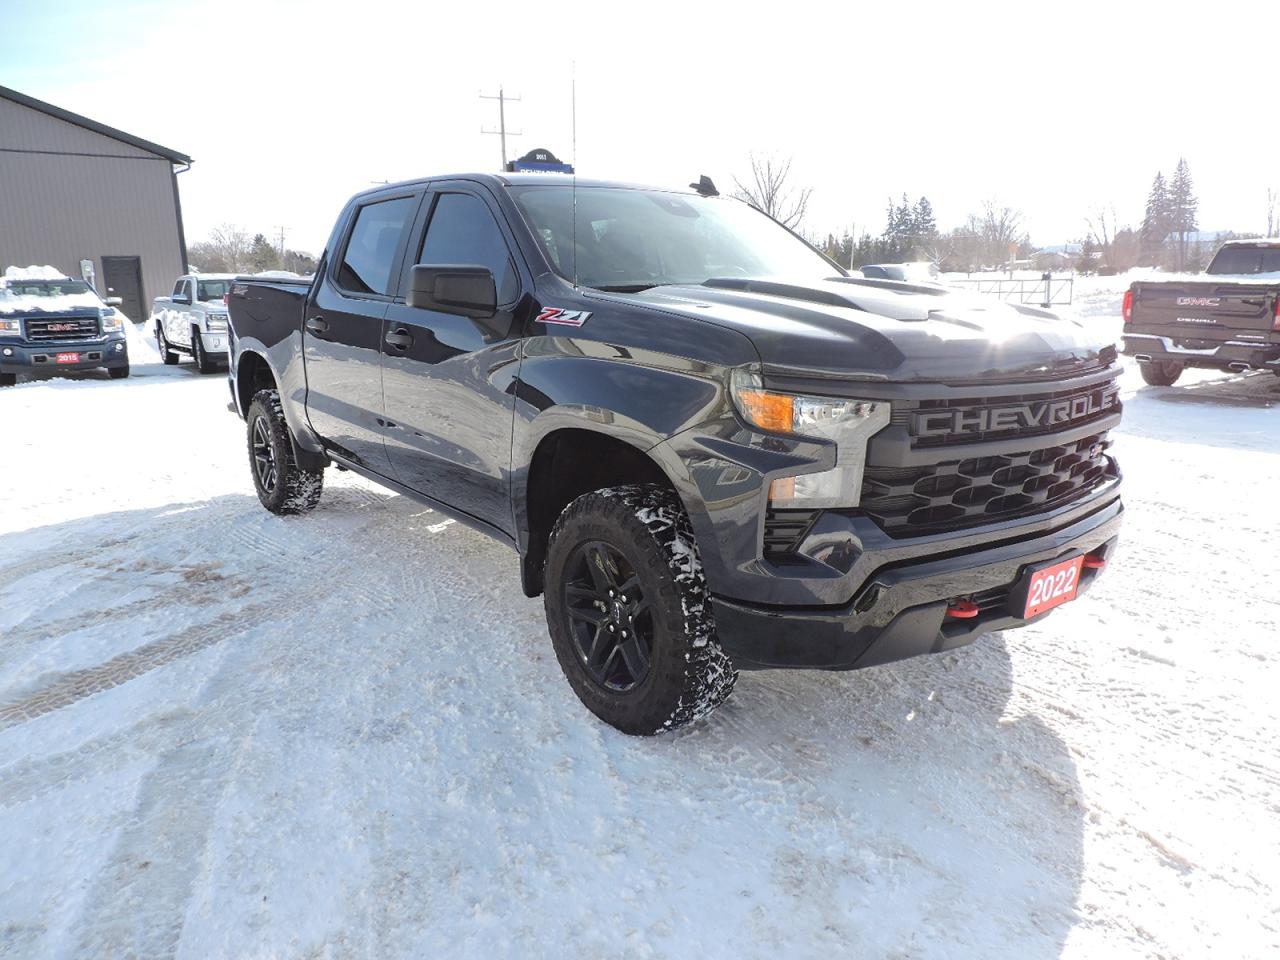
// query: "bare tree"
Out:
[769,191]
[226,251]
[1001,231]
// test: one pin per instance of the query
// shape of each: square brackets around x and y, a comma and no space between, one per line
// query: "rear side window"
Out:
[1240,260]
[366,264]
[463,231]
[179,288]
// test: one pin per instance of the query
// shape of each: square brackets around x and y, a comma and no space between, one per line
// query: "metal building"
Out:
[74,190]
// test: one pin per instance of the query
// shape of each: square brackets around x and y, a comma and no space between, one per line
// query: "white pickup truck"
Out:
[193,320]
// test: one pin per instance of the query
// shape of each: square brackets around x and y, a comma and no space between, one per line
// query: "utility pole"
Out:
[281,246]
[502,99]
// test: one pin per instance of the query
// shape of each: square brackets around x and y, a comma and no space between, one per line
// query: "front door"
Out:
[343,330]
[449,405]
[122,276]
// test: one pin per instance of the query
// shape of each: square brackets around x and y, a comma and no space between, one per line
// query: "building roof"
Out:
[172,155]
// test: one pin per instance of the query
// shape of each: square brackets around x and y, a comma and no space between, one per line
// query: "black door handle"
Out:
[318,325]
[401,339]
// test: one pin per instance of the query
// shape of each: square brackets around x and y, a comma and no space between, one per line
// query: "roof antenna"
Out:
[573,110]
[705,187]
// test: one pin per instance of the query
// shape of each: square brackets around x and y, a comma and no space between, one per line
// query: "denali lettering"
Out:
[1196,320]
[941,423]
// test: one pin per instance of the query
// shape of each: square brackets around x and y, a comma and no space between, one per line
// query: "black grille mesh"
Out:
[910,501]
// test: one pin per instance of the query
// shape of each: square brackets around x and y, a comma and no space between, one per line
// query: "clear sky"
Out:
[1055,109]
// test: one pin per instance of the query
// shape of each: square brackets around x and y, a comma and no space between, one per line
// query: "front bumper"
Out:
[215,344]
[25,358]
[900,611]
[1228,355]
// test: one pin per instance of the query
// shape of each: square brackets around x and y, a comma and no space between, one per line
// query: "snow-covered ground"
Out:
[228,734]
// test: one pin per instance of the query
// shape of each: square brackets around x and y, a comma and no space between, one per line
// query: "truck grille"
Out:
[954,422]
[64,328]
[912,501]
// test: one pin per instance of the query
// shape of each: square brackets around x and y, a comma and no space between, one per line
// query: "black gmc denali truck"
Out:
[1228,320]
[711,447]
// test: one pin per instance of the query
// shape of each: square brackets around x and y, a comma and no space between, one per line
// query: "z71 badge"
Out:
[566,318]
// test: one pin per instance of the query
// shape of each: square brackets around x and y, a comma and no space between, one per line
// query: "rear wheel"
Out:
[162,344]
[204,363]
[283,486]
[629,612]
[1161,373]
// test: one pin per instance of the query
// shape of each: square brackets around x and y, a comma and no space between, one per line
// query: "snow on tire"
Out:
[629,611]
[283,486]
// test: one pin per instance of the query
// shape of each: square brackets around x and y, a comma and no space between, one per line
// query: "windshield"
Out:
[633,239]
[44,288]
[1246,260]
[212,289]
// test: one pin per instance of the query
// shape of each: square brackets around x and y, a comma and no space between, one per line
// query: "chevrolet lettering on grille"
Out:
[1014,417]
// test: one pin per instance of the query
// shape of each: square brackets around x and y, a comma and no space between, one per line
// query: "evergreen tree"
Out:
[1155,223]
[926,227]
[262,255]
[1182,209]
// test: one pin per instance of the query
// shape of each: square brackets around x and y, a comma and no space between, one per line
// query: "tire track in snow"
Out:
[76,685]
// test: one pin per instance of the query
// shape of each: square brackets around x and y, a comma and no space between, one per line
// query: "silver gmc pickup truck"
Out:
[193,320]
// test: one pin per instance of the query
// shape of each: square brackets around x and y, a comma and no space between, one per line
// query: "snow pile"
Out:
[62,303]
[34,272]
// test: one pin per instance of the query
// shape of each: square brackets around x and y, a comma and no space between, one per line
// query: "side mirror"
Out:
[113,301]
[468,291]
[182,299]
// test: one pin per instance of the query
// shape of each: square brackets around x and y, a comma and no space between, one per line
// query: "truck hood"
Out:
[848,328]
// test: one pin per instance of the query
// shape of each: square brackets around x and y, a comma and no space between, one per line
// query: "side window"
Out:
[366,266]
[179,288]
[463,231]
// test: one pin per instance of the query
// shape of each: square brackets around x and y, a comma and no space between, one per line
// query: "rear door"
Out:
[343,328]
[122,276]
[449,398]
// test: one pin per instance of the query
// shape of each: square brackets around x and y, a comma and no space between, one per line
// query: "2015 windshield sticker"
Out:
[567,318]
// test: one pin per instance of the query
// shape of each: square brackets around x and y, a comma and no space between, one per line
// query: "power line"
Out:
[502,131]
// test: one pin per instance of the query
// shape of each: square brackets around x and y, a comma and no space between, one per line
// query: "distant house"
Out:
[75,190]
[1052,260]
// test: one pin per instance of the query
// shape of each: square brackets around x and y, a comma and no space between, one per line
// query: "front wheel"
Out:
[283,486]
[162,344]
[1161,373]
[630,614]
[203,361]
[8,379]
[118,373]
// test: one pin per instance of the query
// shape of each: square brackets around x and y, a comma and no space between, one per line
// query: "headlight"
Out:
[216,322]
[850,423]
[111,322]
[10,325]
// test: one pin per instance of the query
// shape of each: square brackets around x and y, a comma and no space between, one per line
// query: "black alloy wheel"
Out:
[608,617]
[264,456]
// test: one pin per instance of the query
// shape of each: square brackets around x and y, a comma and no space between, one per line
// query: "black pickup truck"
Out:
[712,448]
[1229,320]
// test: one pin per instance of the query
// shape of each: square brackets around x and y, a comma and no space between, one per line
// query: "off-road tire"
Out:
[688,673]
[118,373]
[198,353]
[1161,373]
[162,344]
[290,489]
[8,379]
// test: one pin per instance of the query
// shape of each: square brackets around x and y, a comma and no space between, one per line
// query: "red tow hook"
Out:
[963,610]
[1094,563]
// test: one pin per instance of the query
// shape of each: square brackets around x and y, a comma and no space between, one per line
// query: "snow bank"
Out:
[34,272]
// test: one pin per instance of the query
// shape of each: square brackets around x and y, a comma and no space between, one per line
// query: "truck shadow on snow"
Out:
[921,809]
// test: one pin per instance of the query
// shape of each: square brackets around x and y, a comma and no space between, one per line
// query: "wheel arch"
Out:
[567,462]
